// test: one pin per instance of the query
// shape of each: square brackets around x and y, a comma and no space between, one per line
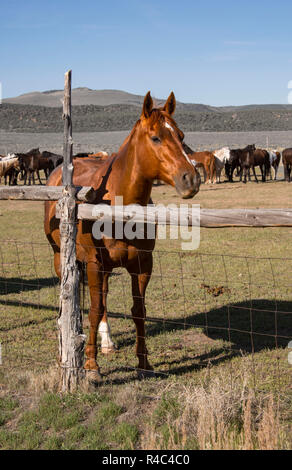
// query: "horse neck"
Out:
[129,172]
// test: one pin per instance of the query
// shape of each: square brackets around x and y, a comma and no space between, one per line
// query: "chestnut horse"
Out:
[153,150]
[204,160]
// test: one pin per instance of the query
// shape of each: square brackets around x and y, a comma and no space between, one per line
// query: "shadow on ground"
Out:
[16,285]
[245,327]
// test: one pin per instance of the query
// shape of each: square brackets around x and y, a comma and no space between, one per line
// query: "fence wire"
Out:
[203,310]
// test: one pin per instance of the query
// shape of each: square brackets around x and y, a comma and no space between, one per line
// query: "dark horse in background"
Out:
[259,157]
[53,159]
[153,150]
[33,162]
[239,158]
[287,163]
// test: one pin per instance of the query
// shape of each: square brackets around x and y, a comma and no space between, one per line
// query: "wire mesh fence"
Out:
[203,311]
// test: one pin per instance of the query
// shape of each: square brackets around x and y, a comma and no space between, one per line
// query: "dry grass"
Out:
[215,416]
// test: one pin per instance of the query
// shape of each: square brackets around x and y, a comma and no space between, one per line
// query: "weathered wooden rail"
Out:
[40,193]
[209,218]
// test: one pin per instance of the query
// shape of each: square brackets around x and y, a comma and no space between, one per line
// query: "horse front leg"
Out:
[254,174]
[95,283]
[38,175]
[30,177]
[15,178]
[231,173]
[285,173]
[213,176]
[107,344]
[139,285]
[208,175]
[227,171]
[11,181]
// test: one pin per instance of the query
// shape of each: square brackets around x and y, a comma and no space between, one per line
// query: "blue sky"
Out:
[213,52]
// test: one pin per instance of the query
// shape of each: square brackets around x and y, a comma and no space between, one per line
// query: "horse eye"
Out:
[155,139]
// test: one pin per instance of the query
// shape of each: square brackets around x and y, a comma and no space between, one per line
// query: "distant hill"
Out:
[85,97]
[80,96]
[110,110]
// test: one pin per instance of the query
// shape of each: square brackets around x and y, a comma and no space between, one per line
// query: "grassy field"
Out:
[219,342]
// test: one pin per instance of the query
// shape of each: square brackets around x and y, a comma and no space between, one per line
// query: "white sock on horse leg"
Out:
[107,343]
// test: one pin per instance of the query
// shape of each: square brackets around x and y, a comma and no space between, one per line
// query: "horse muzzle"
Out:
[187,184]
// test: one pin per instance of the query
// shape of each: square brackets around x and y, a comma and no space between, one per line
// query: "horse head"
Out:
[250,148]
[34,153]
[161,140]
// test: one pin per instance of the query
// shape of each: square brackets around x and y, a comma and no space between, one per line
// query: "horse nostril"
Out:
[187,184]
[189,180]
[186,178]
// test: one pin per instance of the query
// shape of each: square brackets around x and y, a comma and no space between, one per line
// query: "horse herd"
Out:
[243,161]
[25,166]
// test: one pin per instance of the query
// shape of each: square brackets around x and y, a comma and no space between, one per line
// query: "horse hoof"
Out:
[145,374]
[93,376]
[109,349]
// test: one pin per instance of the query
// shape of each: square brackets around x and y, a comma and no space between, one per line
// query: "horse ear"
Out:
[170,104]
[147,105]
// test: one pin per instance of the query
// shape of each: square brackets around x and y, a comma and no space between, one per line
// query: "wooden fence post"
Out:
[71,338]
